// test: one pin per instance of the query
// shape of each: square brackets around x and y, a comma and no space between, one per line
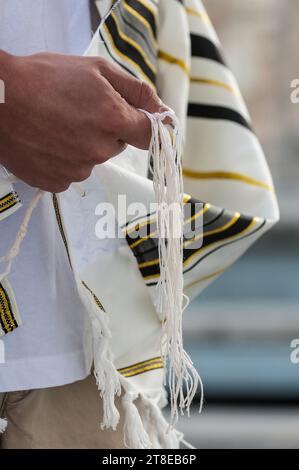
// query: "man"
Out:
[63,114]
[64,117]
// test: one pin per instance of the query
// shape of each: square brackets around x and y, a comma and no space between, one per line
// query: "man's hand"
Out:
[64,114]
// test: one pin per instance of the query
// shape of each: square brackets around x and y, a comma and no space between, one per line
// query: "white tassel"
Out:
[107,377]
[135,435]
[165,154]
[15,248]
[3,425]
[161,436]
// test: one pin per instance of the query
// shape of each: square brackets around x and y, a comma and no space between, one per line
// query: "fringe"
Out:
[142,430]
[135,435]
[165,154]
[161,435]
[3,425]
[16,246]
[106,375]
[145,427]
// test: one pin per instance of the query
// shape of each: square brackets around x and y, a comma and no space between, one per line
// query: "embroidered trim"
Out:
[129,34]
[217,227]
[8,320]
[63,236]
[60,225]
[96,299]
[142,367]
[8,201]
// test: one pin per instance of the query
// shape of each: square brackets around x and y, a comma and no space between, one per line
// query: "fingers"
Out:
[137,129]
[109,149]
[137,93]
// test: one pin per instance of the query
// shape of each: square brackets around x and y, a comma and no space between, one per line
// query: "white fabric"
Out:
[47,350]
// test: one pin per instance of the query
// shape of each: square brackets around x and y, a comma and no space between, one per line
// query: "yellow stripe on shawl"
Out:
[226,175]
[7,317]
[126,58]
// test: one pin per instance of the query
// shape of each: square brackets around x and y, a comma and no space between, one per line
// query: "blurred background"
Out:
[239,331]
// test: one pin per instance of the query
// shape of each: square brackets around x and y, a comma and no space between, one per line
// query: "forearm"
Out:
[5,72]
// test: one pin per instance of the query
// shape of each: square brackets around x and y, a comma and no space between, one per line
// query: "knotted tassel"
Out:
[135,435]
[165,156]
[162,437]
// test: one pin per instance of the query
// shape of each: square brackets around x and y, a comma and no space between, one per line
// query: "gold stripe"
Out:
[216,230]
[199,14]
[148,7]
[8,205]
[60,226]
[6,198]
[174,60]
[147,264]
[141,240]
[141,224]
[226,175]
[145,369]
[210,81]
[133,44]
[143,21]
[8,201]
[152,276]
[195,216]
[140,364]
[127,59]
[97,301]
[5,311]
[170,59]
[150,221]
[251,225]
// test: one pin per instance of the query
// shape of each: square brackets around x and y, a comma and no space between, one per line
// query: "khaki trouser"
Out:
[66,417]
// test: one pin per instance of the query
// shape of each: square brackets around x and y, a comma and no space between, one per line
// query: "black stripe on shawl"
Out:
[226,244]
[216,249]
[7,312]
[117,61]
[125,18]
[242,224]
[10,199]
[145,12]
[205,49]
[128,50]
[206,111]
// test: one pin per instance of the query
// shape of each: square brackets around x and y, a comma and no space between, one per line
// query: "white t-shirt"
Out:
[47,350]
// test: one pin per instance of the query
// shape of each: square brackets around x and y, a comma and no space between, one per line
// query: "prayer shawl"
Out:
[171,45]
